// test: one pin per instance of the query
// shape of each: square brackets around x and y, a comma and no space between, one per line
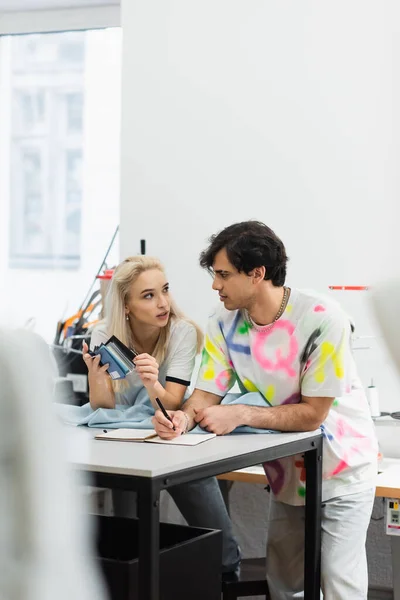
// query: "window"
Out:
[48,87]
[59,167]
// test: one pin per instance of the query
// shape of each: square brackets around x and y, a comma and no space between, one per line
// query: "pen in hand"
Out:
[164,412]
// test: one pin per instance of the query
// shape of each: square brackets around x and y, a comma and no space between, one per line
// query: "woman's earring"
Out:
[127,317]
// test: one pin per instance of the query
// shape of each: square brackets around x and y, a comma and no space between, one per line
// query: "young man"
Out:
[294,348]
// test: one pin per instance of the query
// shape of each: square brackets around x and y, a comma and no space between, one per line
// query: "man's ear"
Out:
[257,274]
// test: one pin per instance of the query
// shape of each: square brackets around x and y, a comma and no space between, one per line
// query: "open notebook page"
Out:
[188,439]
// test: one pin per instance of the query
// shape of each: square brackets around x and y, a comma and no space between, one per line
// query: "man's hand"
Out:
[164,428]
[218,419]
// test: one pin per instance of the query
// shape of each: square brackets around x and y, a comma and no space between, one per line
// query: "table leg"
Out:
[225,487]
[312,551]
[149,541]
[395,544]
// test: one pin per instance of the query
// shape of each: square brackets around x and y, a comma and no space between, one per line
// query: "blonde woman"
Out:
[142,314]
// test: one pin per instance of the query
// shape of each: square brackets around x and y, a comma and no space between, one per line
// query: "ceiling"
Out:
[24,5]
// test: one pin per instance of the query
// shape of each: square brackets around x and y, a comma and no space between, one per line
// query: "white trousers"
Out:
[344,574]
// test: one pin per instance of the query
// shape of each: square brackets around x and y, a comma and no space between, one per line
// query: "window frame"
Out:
[53,21]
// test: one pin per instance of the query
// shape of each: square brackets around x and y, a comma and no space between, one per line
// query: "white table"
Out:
[388,486]
[149,468]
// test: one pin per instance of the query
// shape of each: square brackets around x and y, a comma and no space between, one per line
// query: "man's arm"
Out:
[198,400]
[308,415]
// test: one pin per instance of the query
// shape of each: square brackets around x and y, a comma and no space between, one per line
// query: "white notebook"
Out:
[149,435]
[126,435]
[187,439]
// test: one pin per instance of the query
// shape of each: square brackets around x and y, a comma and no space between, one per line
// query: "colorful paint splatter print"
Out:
[307,352]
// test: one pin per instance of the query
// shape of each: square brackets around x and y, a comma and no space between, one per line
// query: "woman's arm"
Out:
[171,395]
[101,394]
[180,358]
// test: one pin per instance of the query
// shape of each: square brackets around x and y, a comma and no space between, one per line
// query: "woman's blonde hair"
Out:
[124,275]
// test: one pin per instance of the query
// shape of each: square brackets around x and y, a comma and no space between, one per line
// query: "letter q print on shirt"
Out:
[231,345]
[335,354]
[275,474]
[309,349]
[216,366]
[281,362]
[211,352]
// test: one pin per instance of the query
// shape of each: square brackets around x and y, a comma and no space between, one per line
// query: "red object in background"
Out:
[108,273]
[354,288]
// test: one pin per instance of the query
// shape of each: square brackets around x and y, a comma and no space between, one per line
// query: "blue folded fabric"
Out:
[138,416]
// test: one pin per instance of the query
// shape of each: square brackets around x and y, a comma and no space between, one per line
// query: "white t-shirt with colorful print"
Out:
[306,352]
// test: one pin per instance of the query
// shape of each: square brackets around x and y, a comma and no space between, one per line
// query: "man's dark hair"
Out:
[249,244]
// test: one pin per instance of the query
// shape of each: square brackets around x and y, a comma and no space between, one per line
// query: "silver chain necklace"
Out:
[253,324]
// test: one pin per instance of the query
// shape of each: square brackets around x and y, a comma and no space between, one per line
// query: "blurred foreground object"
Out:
[45,542]
[385,300]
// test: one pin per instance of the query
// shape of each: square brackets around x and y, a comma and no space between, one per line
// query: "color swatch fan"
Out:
[118,356]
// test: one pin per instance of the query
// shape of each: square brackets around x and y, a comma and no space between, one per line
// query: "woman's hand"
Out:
[92,362]
[101,394]
[164,427]
[147,369]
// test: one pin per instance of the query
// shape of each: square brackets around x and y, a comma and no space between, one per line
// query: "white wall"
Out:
[277,111]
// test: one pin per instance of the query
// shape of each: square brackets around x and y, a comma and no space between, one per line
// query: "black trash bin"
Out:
[190,560]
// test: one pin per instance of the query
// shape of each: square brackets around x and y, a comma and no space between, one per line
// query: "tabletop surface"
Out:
[388,481]
[145,459]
